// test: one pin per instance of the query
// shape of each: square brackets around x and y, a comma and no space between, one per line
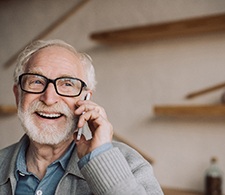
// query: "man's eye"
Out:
[36,82]
[65,83]
[68,84]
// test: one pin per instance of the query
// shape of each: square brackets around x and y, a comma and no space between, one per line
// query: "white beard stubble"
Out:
[44,133]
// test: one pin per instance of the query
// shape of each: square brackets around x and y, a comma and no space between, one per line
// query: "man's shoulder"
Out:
[8,148]
[124,148]
[131,155]
[121,145]
[10,151]
[7,151]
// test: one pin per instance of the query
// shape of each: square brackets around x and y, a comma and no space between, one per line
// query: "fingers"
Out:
[101,128]
[93,114]
[86,106]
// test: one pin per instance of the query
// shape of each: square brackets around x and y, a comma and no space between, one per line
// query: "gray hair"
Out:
[27,53]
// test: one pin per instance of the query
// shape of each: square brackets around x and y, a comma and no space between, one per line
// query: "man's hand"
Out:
[101,128]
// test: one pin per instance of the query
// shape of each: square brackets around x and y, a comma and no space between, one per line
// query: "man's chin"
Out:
[49,137]
[49,140]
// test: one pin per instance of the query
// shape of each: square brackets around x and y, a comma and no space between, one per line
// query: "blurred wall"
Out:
[133,78]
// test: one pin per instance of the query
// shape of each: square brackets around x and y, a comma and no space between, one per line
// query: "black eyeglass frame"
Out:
[53,81]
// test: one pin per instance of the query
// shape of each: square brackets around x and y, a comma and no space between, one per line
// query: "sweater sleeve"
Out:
[111,173]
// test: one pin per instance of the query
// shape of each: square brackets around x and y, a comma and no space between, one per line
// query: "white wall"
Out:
[134,78]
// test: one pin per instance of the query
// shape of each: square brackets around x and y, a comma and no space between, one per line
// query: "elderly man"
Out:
[52,85]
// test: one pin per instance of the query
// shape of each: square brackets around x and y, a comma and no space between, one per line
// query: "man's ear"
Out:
[16,93]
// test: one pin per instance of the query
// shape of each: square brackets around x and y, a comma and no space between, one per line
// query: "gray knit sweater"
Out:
[119,171]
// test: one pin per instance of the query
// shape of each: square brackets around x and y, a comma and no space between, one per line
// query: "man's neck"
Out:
[40,156]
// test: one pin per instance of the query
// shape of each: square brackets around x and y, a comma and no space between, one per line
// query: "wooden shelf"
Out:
[170,191]
[190,26]
[190,110]
[7,109]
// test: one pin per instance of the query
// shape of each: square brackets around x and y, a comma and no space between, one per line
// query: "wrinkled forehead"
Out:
[56,61]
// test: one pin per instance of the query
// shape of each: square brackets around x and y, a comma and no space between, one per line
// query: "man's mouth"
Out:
[49,115]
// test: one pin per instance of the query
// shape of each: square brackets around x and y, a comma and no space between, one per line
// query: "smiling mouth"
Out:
[49,115]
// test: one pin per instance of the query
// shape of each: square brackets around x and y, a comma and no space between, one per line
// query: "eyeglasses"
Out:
[64,86]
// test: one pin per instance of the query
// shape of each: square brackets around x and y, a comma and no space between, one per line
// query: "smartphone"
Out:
[80,130]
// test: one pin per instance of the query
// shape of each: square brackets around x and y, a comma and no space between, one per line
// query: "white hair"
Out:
[35,46]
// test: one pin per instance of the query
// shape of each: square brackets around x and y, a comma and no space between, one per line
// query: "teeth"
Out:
[49,115]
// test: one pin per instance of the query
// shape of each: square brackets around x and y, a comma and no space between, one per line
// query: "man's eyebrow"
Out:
[35,70]
[67,75]
[41,73]
[61,76]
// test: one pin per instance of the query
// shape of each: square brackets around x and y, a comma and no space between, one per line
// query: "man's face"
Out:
[48,118]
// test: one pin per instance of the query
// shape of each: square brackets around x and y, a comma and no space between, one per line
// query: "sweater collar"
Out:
[8,163]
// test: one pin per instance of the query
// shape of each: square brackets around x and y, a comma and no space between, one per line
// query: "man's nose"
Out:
[49,96]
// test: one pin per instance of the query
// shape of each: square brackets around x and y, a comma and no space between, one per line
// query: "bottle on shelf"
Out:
[213,179]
